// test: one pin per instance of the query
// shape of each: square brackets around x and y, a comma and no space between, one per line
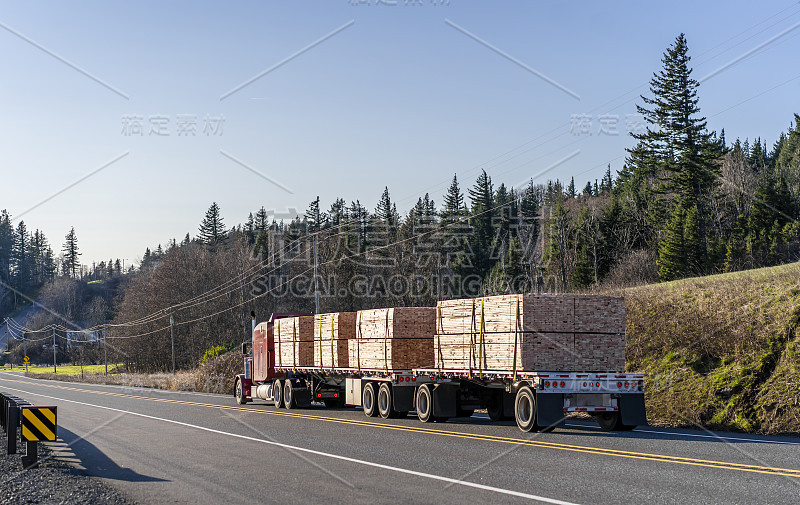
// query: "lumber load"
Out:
[294,341]
[331,333]
[393,339]
[531,332]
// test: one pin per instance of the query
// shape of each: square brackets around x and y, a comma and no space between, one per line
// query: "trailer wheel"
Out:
[368,400]
[289,400]
[425,404]
[385,408]
[494,407]
[525,409]
[240,398]
[277,393]
[611,421]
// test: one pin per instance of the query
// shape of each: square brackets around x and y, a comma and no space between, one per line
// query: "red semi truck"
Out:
[536,400]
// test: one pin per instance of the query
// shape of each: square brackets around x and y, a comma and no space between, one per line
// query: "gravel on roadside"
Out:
[53,482]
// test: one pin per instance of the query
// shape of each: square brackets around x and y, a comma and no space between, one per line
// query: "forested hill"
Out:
[686,202]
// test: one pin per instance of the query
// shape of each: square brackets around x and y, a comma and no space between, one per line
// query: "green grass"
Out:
[65,370]
[720,351]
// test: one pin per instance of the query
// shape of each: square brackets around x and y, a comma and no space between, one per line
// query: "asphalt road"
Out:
[173,447]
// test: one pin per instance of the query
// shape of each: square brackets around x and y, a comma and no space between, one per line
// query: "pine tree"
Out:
[587,190]
[314,217]
[212,229]
[454,207]
[672,250]
[676,147]
[71,263]
[6,245]
[483,213]
[571,191]
[22,263]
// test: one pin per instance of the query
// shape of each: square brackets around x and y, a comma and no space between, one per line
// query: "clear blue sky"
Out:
[402,96]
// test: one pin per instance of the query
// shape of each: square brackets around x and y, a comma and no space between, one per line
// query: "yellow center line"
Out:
[787,472]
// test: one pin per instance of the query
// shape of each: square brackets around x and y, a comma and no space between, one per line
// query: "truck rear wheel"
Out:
[240,398]
[289,400]
[368,400]
[425,404]
[525,409]
[277,393]
[385,405]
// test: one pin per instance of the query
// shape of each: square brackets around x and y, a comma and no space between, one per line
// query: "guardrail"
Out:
[34,423]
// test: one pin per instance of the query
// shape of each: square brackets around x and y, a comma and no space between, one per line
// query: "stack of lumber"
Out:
[532,332]
[294,341]
[393,339]
[331,333]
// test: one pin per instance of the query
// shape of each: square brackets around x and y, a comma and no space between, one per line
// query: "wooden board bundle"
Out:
[393,339]
[532,332]
[294,341]
[331,333]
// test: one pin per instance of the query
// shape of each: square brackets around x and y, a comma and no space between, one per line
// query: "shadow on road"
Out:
[97,463]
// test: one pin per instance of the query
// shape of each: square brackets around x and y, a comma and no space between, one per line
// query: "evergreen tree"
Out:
[6,245]
[676,147]
[314,217]
[22,263]
[212,229]
[672,251]
[454,207]
[71,265]
[571,192]
[483,213]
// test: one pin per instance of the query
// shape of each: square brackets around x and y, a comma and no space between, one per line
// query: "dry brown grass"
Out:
[215,376]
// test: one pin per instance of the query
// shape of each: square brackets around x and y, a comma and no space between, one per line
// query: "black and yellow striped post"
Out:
[38,424]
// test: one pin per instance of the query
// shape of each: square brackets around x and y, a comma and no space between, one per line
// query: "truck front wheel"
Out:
[240,398]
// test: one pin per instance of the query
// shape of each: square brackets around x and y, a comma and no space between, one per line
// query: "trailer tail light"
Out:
[547,384]
[619,384]
[584,384]
[319,395]
[413,378]
[336,395]
[562,384]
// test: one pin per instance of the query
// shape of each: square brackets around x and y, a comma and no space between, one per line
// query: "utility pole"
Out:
[105,349]
[24,346]
[55,370]
[316,279]
[172,337]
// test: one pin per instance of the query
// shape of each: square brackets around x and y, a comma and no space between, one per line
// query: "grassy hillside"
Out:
[721,351]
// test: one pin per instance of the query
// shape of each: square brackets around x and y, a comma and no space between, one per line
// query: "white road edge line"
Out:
[319,453]
[122,386]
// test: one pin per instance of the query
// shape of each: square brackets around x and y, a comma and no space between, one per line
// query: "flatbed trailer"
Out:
[535,400]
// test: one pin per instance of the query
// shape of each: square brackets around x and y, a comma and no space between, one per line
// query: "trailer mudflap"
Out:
[549,409]
[631,410]
[508,405]
[444,400]
[403,398]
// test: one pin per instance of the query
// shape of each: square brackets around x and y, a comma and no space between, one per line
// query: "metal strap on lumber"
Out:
[481,350]
[294,344]
[358,343]
[516,340]
[333,355]
[280,362]
[471,359]
[439,329]
[321,363]
[386,343]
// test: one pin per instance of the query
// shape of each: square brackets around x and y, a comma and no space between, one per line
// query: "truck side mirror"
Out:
[244,347]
